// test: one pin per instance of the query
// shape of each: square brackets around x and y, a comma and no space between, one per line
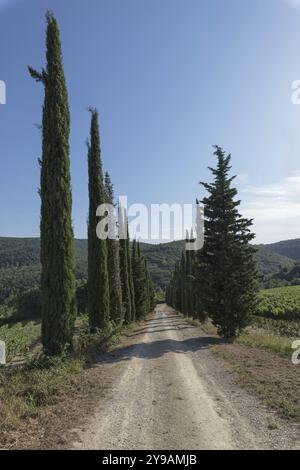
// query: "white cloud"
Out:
[275,209]
[293,3]
[241,178]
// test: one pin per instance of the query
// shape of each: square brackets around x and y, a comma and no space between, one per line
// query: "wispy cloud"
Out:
[293,3]
[241,178]
[275,209]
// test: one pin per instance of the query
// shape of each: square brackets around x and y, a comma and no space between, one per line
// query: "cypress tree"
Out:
[130,275]
[199,310]
[176,296]
[124,273]
[115,288]
[183,284]
[172,290]
[168,293]
[57,245]
[189,279]
[150,290]
[228,270]
[140,281]
[180,292]
[98,285]
[178,287]
[192,278]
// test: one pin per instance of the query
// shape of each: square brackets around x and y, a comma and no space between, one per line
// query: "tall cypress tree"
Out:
[57,245]
[140,281]
[178,305]
[150,290]
[124,272]
[183,284]
[228,270]
[189,279]
[143,287]
[130,275]
[115,288]
[98,284]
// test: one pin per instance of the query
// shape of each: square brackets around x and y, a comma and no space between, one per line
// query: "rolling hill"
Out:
[20,269]
[287,248]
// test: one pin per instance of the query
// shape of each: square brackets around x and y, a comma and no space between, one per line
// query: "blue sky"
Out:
[170,78]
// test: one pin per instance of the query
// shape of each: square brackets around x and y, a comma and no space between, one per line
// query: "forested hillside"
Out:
[288,248]
[20,267]
[26,251]
[270,262]
[20,270]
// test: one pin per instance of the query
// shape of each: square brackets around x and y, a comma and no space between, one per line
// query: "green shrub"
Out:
[281,303]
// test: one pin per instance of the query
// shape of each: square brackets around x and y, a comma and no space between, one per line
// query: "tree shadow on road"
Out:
[158,329]
[160,318]
[155,349]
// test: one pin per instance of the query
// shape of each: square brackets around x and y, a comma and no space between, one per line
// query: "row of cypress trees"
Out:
[182,292]
[220,280]
[118,277]
[119,286]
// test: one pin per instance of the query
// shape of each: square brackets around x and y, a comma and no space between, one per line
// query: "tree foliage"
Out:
[98,282]
[124,268]
[113,248]
[57,247]
[224,270]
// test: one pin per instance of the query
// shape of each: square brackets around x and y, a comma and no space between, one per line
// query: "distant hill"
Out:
[288,248]
[270,262]
[26,251]
[162,258]
[20,268]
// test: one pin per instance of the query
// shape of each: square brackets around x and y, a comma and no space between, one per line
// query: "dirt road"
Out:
[166,390]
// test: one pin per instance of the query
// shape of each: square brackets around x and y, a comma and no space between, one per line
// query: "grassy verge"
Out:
[275,381]
[23,392]
[261,357]
[26,390]
[276,336]
[266,334]
[268,341]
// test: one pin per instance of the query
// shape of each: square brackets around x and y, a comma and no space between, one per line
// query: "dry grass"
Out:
[261,356]
[273,378]
[269,335]
[27,391]
[24,392]
[267,340]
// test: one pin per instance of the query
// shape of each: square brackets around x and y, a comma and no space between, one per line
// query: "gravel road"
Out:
[166,390]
